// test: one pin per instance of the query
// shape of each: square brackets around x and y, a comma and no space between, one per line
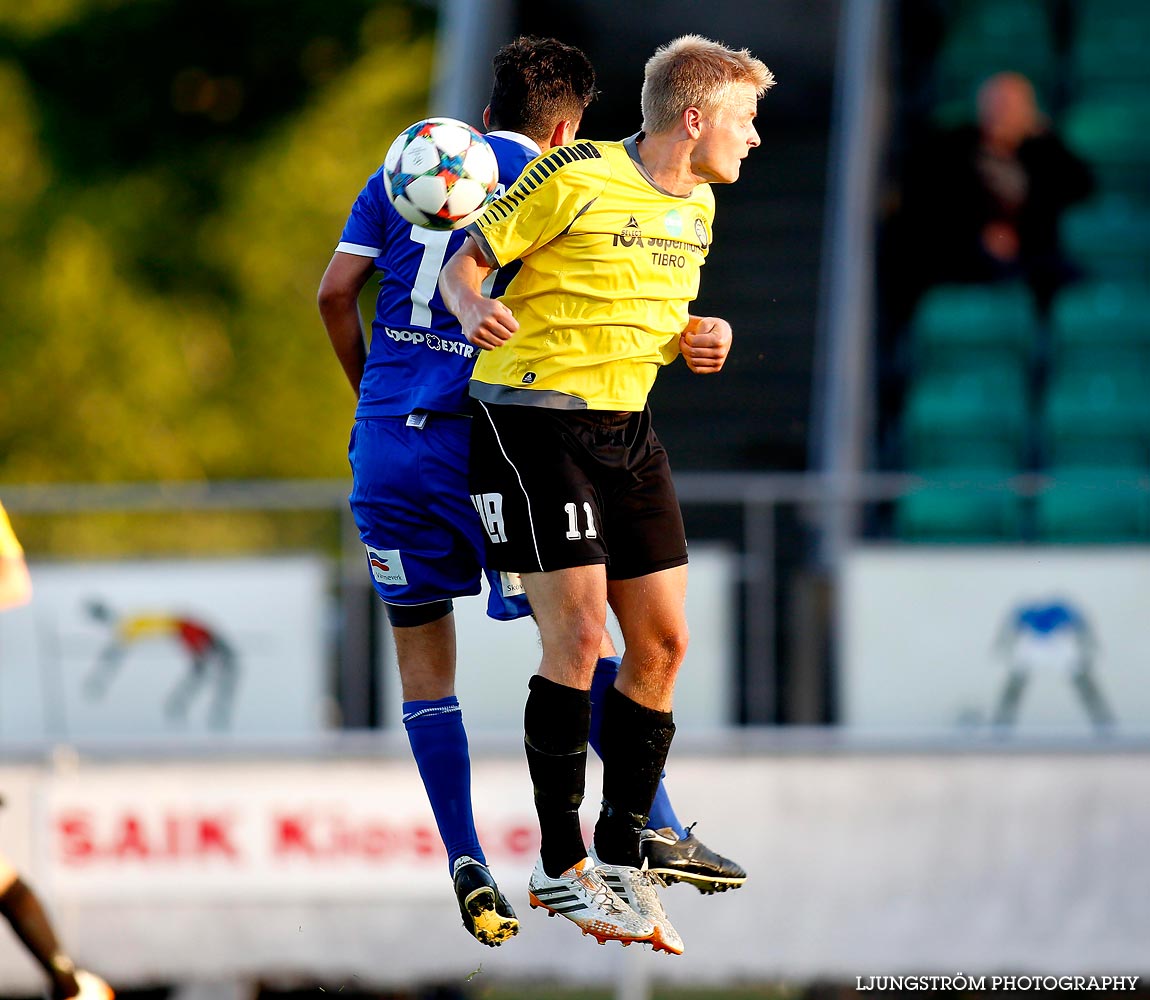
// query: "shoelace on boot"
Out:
[602,896]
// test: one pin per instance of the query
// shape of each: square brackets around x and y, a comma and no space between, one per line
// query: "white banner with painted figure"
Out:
[167,648]
[1039,641]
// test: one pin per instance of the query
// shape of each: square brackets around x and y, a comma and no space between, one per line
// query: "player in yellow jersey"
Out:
[572,484]
[15,584]
[18,903]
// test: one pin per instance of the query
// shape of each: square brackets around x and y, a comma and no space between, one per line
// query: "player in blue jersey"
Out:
[409,456]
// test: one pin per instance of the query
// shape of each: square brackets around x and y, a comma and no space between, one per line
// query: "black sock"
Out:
[28,919]
[555,726]
[635,742]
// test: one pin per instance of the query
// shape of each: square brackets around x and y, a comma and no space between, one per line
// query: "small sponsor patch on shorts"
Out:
[386,566]
[510,584]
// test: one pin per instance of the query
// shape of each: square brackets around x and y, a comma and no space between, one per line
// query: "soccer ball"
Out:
[440,173]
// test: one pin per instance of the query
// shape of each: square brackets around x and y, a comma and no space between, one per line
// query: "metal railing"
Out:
[751,503]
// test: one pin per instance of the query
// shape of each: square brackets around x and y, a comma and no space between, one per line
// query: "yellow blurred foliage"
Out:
[108,377]
[29,18]
[23,173]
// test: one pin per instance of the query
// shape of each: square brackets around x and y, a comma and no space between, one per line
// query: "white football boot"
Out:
[637,888]
[582,896]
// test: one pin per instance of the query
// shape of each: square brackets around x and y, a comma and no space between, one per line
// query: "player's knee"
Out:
[675,644]
[655,649]
[660,651]
[414,615]
[585,637]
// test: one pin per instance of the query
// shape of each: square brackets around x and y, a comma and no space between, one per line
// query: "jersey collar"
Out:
[520,138]
[631,144]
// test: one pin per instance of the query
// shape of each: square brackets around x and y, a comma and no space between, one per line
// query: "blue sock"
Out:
[606,670]
[439,743]
[662,814]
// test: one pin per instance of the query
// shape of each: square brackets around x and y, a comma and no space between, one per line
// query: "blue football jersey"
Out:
[419,358]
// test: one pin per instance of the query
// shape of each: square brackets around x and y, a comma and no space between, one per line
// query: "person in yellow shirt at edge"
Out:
[572,484]
[18,903]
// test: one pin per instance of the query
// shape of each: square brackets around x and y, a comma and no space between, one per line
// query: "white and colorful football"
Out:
[440,173]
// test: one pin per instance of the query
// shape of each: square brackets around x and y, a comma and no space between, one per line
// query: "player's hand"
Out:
[705,344]
[488,324]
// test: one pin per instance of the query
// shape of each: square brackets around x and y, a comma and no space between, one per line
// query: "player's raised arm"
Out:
[705,343]
[487,323]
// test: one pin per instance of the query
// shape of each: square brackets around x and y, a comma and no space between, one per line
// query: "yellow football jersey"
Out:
[10,547]
[609,264]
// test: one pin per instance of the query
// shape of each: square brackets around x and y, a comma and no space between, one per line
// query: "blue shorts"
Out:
[410,501]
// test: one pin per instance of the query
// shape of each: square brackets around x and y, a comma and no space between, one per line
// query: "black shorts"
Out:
[563,488]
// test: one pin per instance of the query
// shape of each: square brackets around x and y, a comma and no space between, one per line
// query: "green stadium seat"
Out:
[945,452]
[956,325]
[974,506]
[1098,505]
[1096,409]
[1113,135]
[1102,324]
[1108,48]
[988,36]
[1086,451]
[1109,237]
[955,417]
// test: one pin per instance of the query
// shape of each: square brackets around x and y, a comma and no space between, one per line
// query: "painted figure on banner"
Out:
[1049,638]
[211,660]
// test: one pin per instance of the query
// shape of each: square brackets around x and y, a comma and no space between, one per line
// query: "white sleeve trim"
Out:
[358,250]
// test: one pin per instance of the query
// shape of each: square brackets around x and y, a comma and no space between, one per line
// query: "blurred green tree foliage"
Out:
[174,177]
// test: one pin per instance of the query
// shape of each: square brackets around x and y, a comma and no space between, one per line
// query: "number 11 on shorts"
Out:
[573,532]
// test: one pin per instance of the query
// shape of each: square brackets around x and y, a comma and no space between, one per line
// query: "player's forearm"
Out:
[338,302]
[486,323]
[339,312]
[461,280]
[345,331]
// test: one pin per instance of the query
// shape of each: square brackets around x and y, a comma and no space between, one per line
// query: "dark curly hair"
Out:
[539,82]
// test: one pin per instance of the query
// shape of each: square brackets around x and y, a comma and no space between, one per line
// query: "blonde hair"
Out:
[694,72]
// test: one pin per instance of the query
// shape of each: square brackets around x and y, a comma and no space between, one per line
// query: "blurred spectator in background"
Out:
[982,202]
[18,903]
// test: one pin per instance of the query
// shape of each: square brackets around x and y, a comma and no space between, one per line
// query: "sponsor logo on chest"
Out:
[666,251]
[431,341]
